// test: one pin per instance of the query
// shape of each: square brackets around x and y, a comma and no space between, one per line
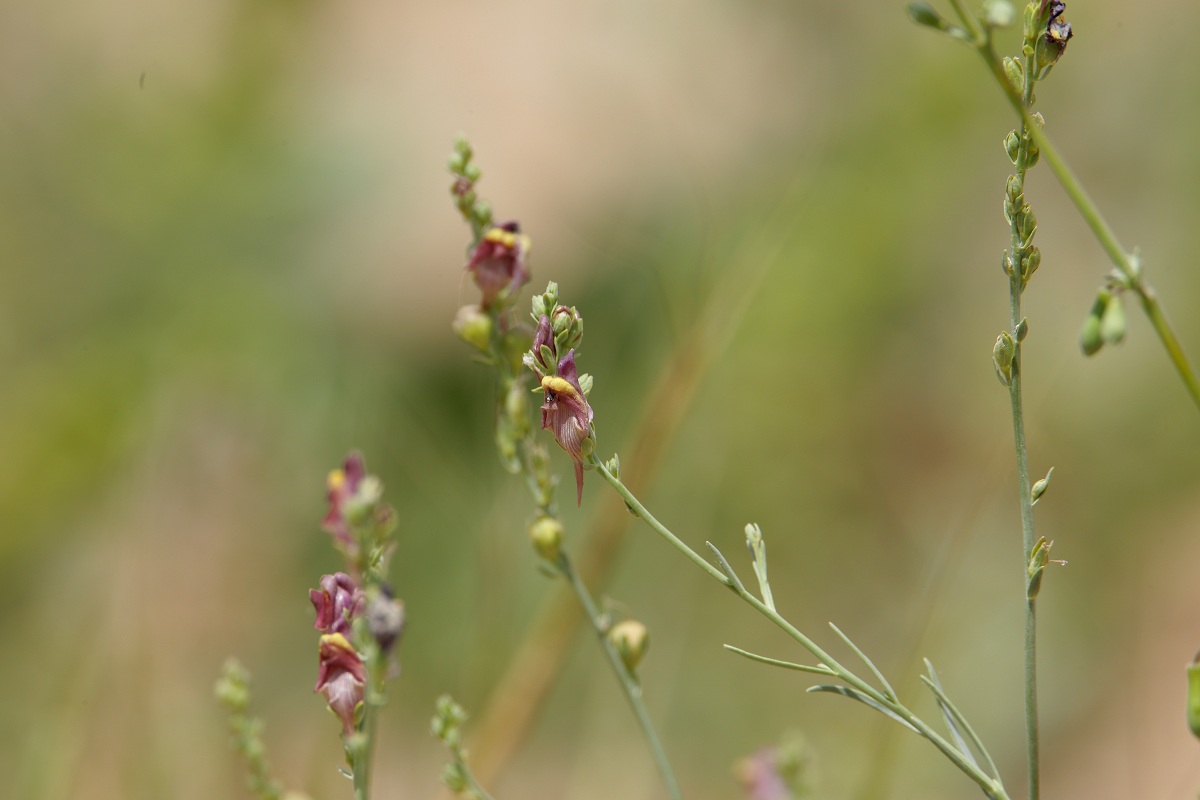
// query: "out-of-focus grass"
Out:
[219,277]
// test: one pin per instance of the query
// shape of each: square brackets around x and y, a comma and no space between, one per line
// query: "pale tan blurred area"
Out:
[229,256]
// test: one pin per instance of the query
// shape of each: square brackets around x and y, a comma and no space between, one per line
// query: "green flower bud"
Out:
[1012,146]
[472,172]
[474,327]
[1005,263]
[1040,487]
[1030,263]
[546,535]
[1090,338]
[455,164]
[923,14]
[1026,224]
[1112,323]
[1013,189]
[585,383]
[1193,695]
[463,147]
[1003,353]
[1022,329]
[1016,75]
[631,640]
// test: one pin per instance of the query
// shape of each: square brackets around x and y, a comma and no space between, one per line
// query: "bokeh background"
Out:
[229,256]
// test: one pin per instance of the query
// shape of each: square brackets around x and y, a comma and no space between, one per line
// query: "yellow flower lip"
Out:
[336,479]
[506,238]
[553,383]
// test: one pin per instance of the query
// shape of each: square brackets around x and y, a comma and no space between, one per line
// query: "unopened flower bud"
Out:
[923,14]
[1003,353]
[546,535]
[1026,224]
[1013,189]
[1012,146]
[1112,323]
[1039,488]
[1016,75]
[631,641]
[1030,263]
[1022,329]
[474,327]
[1090,338]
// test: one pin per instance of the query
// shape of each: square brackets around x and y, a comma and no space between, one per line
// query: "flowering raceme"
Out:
[498,263]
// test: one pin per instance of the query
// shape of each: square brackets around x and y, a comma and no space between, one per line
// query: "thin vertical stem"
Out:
[1016,286]
[629,685]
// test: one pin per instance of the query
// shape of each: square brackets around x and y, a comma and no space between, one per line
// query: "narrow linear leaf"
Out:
[854,694]
[734,582]
[887,687]
[820,669]
[956,721]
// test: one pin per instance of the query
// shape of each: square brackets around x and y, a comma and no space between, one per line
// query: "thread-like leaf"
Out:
[735,583]
[956,722]
[855,694]
[820,669]
[887,687]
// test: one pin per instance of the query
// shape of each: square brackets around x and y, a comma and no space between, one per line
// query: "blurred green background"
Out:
[229,256]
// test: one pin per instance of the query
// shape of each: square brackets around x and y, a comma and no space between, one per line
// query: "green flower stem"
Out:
[629,684]
[1016,285]
[375,699]
[1103,232]
[991,785]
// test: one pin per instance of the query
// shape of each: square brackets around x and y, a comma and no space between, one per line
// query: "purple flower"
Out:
[498,263]
[760,778]
[567,414]
[542,337]
[337,602]
[341,677]
[343,485]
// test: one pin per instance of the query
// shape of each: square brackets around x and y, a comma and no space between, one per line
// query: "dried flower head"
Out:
[341,677]
[567,414]
[498,263]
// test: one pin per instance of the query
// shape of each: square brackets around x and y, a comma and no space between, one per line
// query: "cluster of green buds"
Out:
[1105,323]
[447,727]
[478,213]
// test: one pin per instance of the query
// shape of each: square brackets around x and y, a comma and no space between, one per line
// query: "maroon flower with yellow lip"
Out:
[498,263]
[341,677]
[343,485]
[337,602]
[566,412]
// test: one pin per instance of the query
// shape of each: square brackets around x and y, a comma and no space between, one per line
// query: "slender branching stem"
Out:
[629,684]
[1121,258]
[990,784]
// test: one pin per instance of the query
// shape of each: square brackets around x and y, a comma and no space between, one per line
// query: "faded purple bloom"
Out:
[337,602]
[341,677]
[498,263]
[385,619]
[543,336]
[343,485]
[566,412]
[760,778]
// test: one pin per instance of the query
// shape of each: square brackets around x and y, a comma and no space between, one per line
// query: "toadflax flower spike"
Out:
[566,412]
